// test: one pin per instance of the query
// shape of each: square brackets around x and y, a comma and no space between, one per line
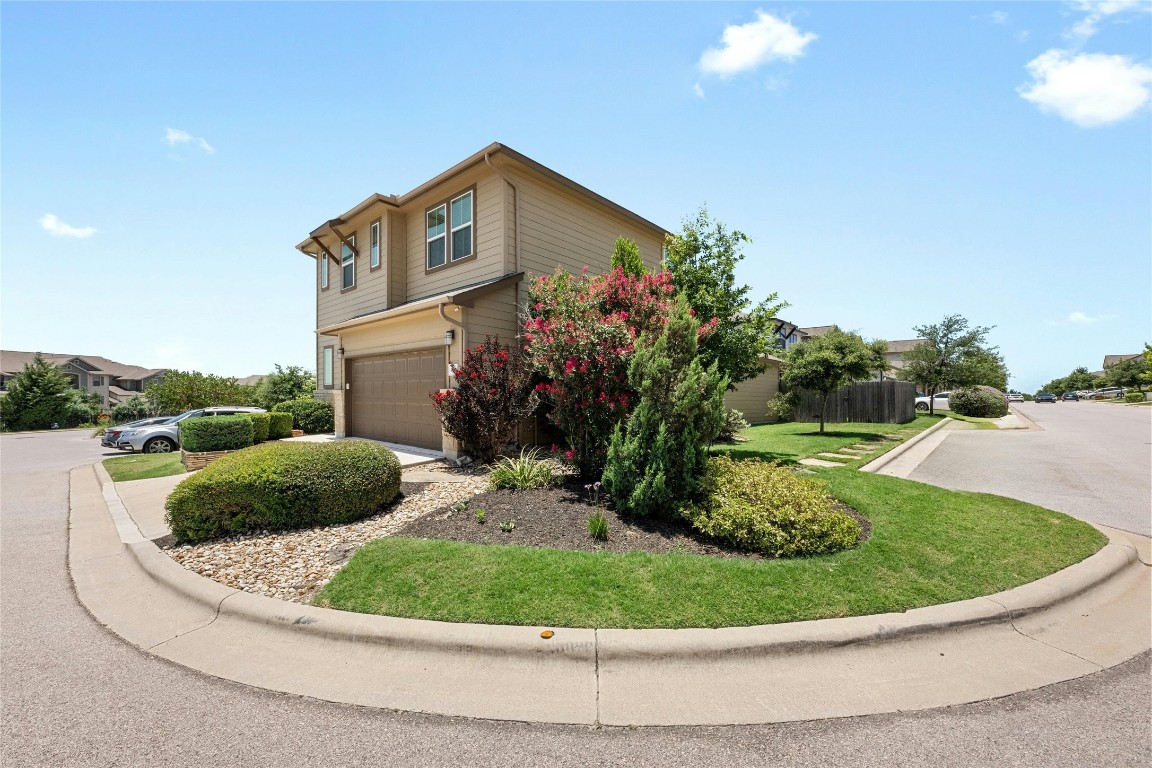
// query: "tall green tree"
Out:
[291,383]
[952,355]
[186,390]
[826,363]
[657,458]
[626,255]
[702,259]
[1132,372]
[37,398]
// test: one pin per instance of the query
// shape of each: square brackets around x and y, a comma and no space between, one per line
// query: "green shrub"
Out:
[525,471]
[598,526]
[280,486]
[314,417]
[216,433]
[260,423]
[769,509]
[1134,397]
[782,406]
[980,402]
[734,424]
[279,425]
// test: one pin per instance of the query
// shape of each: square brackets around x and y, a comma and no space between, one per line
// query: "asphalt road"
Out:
[72,694]
[1091,460]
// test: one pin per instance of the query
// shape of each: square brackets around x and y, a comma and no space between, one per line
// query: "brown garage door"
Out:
[387,397]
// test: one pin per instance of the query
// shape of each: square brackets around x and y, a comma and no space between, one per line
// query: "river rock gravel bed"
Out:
[294,565]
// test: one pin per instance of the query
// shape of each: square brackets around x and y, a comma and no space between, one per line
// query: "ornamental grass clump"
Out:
[527,470]
[766,508]
[284,485]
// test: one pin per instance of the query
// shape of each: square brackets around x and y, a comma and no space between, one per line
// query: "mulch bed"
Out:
[557,518]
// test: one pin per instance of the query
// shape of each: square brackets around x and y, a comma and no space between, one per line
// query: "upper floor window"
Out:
[374,245]
[323,259]
[97,381]
[448,231]
[348,263]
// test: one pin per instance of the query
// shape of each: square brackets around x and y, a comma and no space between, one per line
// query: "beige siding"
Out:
[493,314]
[751,397]
[371,289]
[328,341]
[562,229]
[397,258]
[419,330]
[488,218]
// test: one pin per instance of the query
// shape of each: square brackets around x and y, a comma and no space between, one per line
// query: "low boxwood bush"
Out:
[981,402]
[259,427]
[280,486]
[314,417]
[279,425]
[769,509]
[1134,397]
[216,433]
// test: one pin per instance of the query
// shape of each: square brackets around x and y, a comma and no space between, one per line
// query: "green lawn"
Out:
[928,546]
[143,466]
[981,423]
[791,441]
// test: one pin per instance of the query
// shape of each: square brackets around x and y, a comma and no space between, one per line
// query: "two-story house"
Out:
[404,283]
[113,382]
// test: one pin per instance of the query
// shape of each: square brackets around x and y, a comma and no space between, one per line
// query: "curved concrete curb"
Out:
[1069,624]
[882,461]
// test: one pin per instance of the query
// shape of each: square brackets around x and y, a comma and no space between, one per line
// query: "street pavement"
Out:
[1090,460]
[72,694]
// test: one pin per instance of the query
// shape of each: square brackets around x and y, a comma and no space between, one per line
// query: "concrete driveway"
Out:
[1090,460]
[72,694]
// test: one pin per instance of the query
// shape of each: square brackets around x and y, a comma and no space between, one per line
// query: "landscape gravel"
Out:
[294,565]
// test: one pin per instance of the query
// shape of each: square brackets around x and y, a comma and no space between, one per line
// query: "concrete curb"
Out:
[506,640]
[882,461]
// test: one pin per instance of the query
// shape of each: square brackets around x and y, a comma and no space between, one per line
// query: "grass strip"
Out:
[143,466]
[928,546]
[789,442]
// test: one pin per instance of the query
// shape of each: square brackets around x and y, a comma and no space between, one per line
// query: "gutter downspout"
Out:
[463,341]
[516,209]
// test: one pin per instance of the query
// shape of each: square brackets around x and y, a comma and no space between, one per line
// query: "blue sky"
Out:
[893,163]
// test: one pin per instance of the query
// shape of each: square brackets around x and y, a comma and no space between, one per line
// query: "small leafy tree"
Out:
[291,383]
[493,394]
[826,363]
[80,408]
[135,407]
[626,256]
[702,259]
[657,458]
[37,397]
[186,390]
[580,333]
[952,355]
[1132,372]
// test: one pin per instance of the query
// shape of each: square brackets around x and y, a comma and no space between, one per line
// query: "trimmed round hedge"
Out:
[766,508]
[978,402]
[313,416]
[280,486]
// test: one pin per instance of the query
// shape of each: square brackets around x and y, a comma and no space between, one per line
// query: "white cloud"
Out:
[1081,318]
[696,89]
[1099,10]
[53,226]
[747,46]
[1088,89]
[998,17]
[175,136]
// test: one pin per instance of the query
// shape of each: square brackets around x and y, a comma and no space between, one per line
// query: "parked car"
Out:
[1045,397]
[1015,398]
[1110,392]
[165,438]
[1070,396]
[938,402]
[112,434]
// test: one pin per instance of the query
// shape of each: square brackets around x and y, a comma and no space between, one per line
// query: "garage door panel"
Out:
[388,398]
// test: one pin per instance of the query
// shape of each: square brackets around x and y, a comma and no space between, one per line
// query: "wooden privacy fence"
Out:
[871,402]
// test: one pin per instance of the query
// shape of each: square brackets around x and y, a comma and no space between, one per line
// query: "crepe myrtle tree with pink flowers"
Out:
[580,333]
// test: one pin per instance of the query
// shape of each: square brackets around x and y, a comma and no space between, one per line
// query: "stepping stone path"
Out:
[840,456]
[820,463]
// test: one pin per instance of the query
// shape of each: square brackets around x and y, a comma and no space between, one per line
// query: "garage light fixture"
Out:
[449,337]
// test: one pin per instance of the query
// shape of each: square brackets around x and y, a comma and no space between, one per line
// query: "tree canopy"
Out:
[38,397]
[954,355]
[186,390]
[702,259]
[291,383]
[826,363]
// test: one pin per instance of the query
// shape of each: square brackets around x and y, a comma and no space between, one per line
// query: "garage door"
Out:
[387,397]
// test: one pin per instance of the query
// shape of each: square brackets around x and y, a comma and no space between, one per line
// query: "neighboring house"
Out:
[405,283]
[1111,360]
[113,382]
[251,381]
[895,356]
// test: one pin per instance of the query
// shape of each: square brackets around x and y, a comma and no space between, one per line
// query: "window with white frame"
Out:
[326,373]
[461,222]
[323,264]
[374,245]
[449,231]
[348,263]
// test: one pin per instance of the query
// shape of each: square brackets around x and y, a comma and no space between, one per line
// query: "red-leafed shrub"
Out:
[493,395]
